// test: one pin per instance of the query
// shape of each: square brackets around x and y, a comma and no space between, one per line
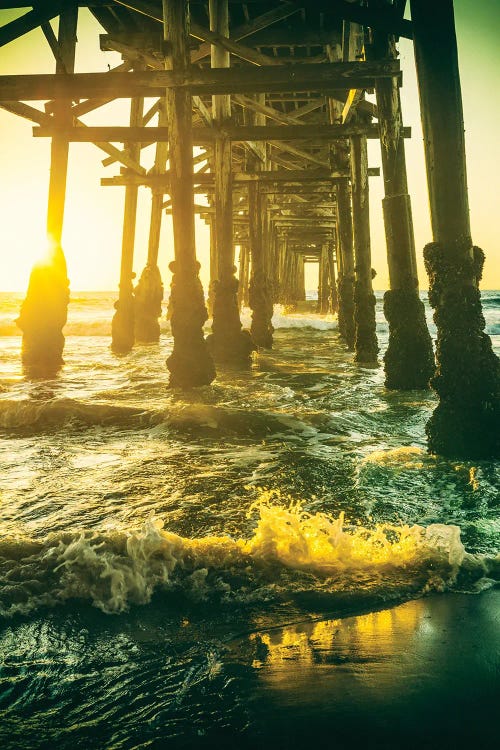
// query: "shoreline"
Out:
[423,674]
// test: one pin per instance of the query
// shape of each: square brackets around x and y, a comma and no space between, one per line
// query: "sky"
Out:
[94,214]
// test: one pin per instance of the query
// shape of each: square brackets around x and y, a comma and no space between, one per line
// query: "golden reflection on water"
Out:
[363,638]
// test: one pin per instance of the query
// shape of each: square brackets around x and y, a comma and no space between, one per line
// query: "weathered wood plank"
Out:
[301,77]
[240,50]
[285,178]
[203,135]
[189,363]
[285,10]
[27,22]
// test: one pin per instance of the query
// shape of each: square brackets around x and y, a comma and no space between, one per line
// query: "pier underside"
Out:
[260,113]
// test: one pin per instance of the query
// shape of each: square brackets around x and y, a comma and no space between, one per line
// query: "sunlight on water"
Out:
[155,546]
[406,456]
[307,643]
[116,568]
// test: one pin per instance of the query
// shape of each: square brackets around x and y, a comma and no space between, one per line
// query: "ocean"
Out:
[172,563]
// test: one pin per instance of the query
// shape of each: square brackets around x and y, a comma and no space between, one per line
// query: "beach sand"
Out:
[424,674]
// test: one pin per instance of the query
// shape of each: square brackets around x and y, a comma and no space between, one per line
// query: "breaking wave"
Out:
[314,560]
[37,416]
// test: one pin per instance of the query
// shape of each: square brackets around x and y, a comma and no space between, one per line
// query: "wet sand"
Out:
[424,674]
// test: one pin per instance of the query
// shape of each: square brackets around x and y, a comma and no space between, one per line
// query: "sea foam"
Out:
[290,553]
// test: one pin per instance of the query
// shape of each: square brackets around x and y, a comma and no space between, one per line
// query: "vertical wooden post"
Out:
[190,363]
[44,311]
[260,288]
[149,289]
[214,273]
[281,258]
[324,286]
[301,278]
[465,422]
[227,342]
[409,359]
[345,283]
[122,327]
[287,292]
[243,273]
[332,297]
[345,249]
[366,347]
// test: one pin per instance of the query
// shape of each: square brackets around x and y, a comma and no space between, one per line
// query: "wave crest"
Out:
[290,553]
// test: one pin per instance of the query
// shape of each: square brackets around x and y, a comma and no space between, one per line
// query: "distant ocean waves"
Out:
[90,314]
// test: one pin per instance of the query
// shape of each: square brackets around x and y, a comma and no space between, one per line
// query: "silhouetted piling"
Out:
[228,342]
[44,311]
[148,292]
[190,363]
[467,380]
[43,316]
[409,358]
[122,326]
[345,283]
[365,345]
[260,293]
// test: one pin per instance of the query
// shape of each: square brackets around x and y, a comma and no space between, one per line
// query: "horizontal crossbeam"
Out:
[206,135]
[266,79]
[287,178]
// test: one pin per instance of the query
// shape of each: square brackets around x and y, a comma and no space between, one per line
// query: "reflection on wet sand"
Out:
[423,674]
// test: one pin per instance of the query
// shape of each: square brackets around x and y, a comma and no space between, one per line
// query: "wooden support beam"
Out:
[44,310]
[366,347]
[444,147]
[276,134]
[89,105]
[190,363]
[227,342]
[60,145]
[43,119]
[28,22]
[240,50]
[409,359]
[29,113]
[263,21]
[122,328]
[148,293]
[157,197]
[51,38]
[354,97]
[282,178]
[272,113]
[221,113]
[465,422]
[301,77]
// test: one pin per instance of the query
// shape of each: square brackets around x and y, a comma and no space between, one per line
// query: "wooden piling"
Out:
[244,268]
[44,311]
[190,363]
[324,282]
[149,289]
[214,273]
[467,380]
[122,326]
[260,294]
[345,248]
[228,342]
[345,284]
[365,345]
[333,302]
[409,358]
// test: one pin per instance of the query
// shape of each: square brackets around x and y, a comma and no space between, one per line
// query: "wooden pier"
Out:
[274,95]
